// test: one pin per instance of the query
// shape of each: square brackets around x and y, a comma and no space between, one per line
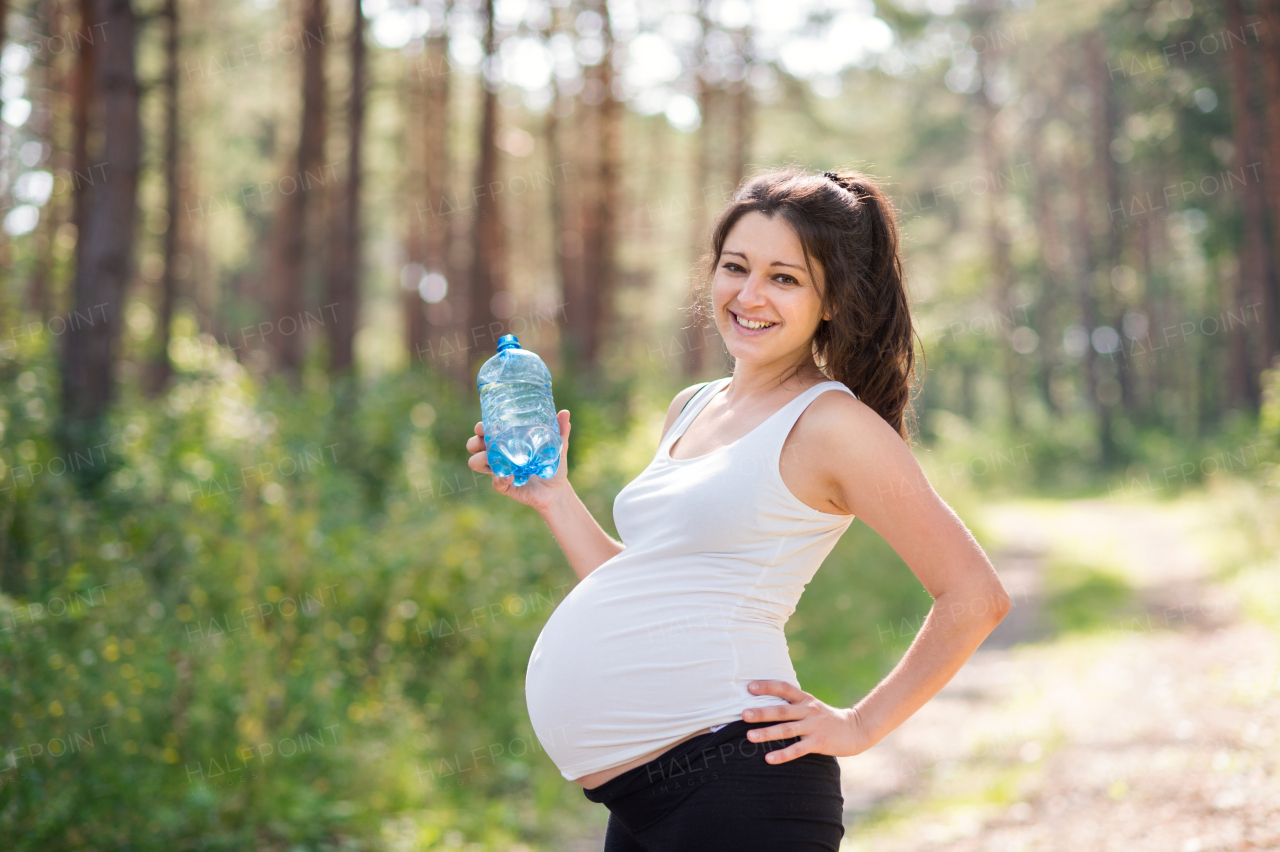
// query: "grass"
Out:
[1081,597]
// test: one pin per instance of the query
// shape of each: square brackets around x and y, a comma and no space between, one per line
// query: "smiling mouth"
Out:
[751,324]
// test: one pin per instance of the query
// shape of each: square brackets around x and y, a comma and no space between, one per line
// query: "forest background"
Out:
[254,253]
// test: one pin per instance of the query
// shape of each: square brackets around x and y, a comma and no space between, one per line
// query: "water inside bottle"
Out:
[521,431]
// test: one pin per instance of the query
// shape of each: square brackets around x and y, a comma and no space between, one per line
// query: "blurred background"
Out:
[254,252]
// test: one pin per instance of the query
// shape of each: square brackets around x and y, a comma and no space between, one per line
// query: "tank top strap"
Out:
[691,408]
[780,426]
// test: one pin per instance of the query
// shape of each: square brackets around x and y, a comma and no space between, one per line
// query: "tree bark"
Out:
[576,233]
[1106,121]
[286,279]
[4,308]
[81,98]
[1269,153]
[40,299]
[1085,260]
[106,241]
[570,202]
[487,237]
[997,238]
[743,112]
[1101,163]
[162,367]
[4,33]
[1051,260]
[1242,380]
[1254,265]
[344,272]
[567,248]
[599,246]
[695,337]
[432,225]
[416,221]
[443,230]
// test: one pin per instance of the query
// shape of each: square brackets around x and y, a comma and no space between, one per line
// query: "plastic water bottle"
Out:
[521,433]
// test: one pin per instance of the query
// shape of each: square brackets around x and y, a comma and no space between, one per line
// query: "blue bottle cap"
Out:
[508,341]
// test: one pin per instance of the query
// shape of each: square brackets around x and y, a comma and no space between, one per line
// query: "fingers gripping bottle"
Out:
[521,433]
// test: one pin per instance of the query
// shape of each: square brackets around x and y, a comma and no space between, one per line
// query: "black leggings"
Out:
[717,792]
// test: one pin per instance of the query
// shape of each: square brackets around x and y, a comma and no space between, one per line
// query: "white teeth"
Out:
[752,323]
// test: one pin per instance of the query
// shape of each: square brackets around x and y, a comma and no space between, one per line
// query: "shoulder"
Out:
[840,427]
[835,411]
[678,404]
[862,460]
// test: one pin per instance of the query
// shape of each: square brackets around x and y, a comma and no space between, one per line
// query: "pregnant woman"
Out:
[662,683]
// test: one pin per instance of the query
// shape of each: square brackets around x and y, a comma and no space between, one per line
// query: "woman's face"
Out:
[761,277]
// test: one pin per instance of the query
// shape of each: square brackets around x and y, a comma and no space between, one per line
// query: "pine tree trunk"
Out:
[1089,305]
[4,250]
[569,204]
[162,368]
[695,338]
[81,99]
[567,256]
[414,105]
[602,272]
[4,33]
[1144,384]
[1085,259]
[1242,384]
[1106,122]
[997,239]
[344,272]
[1269,57]
[436,226]
[1252,295]
[487,238]
[40,299]
[743,113]
[286,281]
[106,241]
[1050,258]
[1090,311]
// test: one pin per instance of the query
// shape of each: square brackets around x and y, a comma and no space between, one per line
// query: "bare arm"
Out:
[585,543]
[879,480]
[870,472]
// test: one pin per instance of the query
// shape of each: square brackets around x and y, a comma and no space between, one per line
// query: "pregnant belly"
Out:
[619,672]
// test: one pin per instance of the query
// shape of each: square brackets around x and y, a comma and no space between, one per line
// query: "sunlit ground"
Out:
[1138,709]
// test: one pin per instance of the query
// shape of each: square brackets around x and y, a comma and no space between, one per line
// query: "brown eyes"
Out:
[780,277]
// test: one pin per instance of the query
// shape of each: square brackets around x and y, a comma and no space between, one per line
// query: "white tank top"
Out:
[661,640]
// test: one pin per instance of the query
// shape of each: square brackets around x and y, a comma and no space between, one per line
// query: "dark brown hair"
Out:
[847,226]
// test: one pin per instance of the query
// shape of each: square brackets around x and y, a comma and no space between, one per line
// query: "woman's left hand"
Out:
[822,729]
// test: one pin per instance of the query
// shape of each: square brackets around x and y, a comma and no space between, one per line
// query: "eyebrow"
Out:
[775,263]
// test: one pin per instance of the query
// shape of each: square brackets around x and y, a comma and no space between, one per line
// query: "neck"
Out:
[752,379]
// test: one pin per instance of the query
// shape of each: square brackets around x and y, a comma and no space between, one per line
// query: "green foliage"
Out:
[248,625]
[289,619]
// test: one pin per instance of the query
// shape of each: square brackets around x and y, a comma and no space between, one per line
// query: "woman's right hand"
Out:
[537,492]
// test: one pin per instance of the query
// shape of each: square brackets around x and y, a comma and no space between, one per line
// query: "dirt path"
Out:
[1161,732]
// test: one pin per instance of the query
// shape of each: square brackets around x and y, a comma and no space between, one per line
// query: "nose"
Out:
[752,292]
